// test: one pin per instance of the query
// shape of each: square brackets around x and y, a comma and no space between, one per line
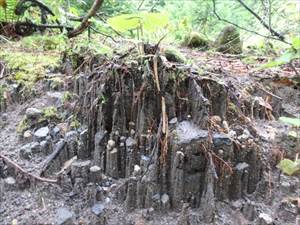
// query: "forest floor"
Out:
[46,203]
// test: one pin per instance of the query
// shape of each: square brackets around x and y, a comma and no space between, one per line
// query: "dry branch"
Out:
[85,22]
[273,32]
[243,28]
[16,166]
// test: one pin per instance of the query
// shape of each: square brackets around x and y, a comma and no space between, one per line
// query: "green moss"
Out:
[228,41]
[29,66]
[23,125]
[196,40]
[56,83]
[75,124]
[50,113]
[173,55]
[2,92]
[44,42]
[250,60]
[67,96]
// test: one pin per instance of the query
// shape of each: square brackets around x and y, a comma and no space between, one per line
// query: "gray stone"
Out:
[55,132]
[9,184]
[41,133]
[64,217]
[25,152]
[33,113]
[188,131]
[27,135]
[148,213]
[265,219]
[4,117]
[46,146]
[98,209]
[35,147]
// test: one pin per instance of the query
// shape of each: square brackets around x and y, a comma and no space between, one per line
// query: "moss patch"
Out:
[173,55]
[228,41]
[50,113]
[196,40]
[28,67]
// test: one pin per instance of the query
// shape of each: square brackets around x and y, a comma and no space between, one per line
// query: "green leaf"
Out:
[154,21]
[125,22]
[289,167]
[292,121]
[285,58]
[148,21]
[293,134]
[296,43]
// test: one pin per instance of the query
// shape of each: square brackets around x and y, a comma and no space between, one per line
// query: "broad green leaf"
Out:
[296,43]
[289,167]
[148,21]
[292,121]
[125,22]
[153,21]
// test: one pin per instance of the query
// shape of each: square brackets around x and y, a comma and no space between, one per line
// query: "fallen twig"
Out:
[85,23]
[42,179]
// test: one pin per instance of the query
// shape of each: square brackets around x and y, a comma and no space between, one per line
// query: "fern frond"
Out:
[7,10]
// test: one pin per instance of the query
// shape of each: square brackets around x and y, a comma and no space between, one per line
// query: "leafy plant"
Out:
[45,42]
[289,55]
[2,92]
[7,10]
[50,113]
[143,21]
[290,167]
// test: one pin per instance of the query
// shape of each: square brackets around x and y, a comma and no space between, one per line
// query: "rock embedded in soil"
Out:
[41,133]
[264,219]
[33,113]
[27,151]
[64,217]
[98,209]
[9,184]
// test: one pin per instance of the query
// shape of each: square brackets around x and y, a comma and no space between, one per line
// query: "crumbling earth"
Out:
[148,141]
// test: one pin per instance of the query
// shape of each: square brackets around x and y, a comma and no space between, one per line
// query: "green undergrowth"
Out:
[28,67]
[49,114]
[45,42]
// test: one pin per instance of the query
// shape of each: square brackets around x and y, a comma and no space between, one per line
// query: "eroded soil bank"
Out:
[141,140]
